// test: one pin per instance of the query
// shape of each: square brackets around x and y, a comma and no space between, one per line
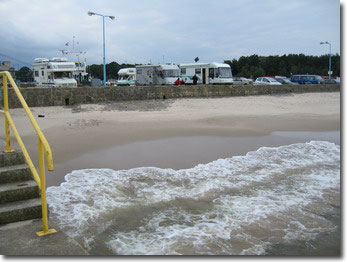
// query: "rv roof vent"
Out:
[59,59]
[40,60]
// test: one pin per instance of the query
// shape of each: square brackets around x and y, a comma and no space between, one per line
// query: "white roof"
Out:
[41,60]
[169,66]
[213,64]
[126,71]
[163,66]
[58,59]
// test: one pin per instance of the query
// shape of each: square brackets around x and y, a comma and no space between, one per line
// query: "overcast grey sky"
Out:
[179,30]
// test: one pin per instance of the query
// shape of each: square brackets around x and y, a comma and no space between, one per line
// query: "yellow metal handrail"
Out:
[43,146]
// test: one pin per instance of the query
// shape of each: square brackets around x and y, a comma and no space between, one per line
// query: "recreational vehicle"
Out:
[126,77]
[207,73]
[163,74]
[56,72]
[80,74]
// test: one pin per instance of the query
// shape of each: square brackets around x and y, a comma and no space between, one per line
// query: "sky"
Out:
[159,31]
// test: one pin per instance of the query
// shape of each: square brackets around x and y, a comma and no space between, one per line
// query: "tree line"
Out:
[96,71]
[247,66]
[286,65]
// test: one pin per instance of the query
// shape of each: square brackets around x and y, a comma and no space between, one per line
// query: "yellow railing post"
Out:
[7,126]
[45,231]
[43,146]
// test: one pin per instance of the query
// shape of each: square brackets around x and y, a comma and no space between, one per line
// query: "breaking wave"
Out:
[234,206]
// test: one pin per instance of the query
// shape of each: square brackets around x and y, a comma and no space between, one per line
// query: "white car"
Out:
[241,81]
[266,81]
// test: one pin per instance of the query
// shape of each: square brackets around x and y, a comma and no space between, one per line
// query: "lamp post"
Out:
[327,43]
[103,31]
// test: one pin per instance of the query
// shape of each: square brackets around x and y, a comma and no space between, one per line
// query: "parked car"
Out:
[247,80]
[266,81]
[241,81]
[307,79]
[330,81]
[285,81]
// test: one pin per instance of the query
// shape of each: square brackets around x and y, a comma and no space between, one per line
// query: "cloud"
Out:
[180,30]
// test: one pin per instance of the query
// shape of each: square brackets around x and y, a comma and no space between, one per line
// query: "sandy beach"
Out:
[84,128]
[78,130]
[255,175]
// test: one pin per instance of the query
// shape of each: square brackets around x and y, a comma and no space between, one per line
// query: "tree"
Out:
[25,74]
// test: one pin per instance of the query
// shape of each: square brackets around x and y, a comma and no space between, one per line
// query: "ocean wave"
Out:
[238,205]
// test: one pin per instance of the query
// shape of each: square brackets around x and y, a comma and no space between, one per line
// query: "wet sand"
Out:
[181,152]
[183,133]
[175,133]
[78,130]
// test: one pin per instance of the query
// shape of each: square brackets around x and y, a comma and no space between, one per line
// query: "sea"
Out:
[264,202]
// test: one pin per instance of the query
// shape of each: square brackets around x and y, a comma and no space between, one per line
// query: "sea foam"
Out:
[239,205]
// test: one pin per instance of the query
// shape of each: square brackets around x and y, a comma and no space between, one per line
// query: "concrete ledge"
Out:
[51,96]
[20,239]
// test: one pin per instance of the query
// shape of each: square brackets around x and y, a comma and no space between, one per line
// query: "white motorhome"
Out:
[126,77]
[56,72]
[207,73]
[163,74]
[80,74]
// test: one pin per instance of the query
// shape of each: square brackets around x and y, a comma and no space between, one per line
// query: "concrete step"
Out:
[15,173]
[10,159]
[20,210]
[18,191]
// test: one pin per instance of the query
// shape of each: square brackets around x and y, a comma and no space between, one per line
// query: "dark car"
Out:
[307,79]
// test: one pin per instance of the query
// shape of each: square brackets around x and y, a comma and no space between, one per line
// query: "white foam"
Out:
[265,197]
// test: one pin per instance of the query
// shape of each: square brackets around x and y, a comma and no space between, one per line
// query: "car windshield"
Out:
[224,72]
[272,80]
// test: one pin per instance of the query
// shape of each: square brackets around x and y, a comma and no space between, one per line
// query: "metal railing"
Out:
[43,146]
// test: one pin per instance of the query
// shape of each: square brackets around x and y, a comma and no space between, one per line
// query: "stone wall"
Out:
[51,96]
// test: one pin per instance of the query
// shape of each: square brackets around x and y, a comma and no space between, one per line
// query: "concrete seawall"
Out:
[51,96]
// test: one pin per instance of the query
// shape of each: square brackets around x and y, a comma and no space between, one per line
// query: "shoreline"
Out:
[184,133]
[181,152]
[73,131]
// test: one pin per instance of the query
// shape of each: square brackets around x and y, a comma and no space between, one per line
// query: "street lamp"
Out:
[327,43]
[103,30]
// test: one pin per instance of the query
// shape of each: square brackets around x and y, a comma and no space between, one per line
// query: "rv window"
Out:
[139,71]
[198,71]
[36,73]
[211,72]
[171,73]
[183,71]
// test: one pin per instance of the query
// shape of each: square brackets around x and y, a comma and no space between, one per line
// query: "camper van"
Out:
[80,74]
[163,74]
[57,72]
[126,77]
[207,73]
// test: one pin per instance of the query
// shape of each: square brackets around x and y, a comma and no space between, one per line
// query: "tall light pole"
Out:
[103,34]
[327,43]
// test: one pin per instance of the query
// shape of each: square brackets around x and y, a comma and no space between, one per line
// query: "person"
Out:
[177,82]
[195,79]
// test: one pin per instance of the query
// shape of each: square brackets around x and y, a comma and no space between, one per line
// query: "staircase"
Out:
[19,193]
